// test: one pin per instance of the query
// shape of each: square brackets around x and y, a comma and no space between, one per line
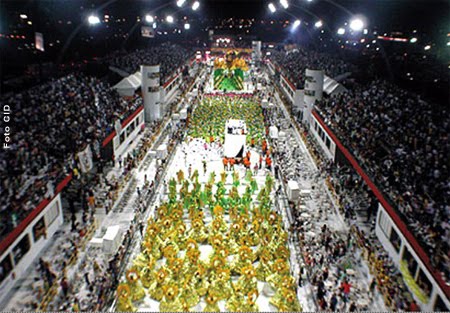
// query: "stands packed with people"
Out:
[402,141]
[56,120]
[185,162]
[169,56]
[295,62]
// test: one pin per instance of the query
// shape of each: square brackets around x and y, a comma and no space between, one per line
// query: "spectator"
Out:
[393,133]
[169,56]
[57,119]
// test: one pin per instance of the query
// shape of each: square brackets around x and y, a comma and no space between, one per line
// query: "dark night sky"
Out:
[425,15]
[386,13]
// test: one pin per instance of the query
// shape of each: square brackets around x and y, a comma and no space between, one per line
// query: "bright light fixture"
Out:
[296,24]
[169,19]
[357,24]
[448,43]
[427,47]
[318,24]
[93,20]
[23,16]
[413,40]
[195,5]
[180,3]
[149,18]
[341,31]
[272,8]
[284,4]
[187,26]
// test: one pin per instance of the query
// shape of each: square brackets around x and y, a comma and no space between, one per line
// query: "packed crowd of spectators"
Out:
[295,62]
[50,124]
[169,56]
[350,190]
[325,253]
[402,141]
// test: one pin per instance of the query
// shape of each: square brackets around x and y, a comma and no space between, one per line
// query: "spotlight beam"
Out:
[272,7]
[284,4]
[81,24]
[310,14]
[357,24]
[93,20]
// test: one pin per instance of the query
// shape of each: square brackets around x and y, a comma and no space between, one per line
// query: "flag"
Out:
[118,126]
[85,159]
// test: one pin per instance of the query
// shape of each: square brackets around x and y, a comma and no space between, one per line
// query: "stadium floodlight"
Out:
[149,18]
[341,31]
[427,47]
[296,24]
[195,5]
[169,19]
[93,20]
[272,8]
[284,4]
[357,24]
[23,16]
[180,3]
[187,26]
[413,40]
[318,24]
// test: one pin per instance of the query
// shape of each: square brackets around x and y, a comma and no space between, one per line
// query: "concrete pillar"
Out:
[256,52]
[151,92]
[313,91]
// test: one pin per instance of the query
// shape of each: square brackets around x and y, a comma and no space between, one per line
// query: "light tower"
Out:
[151,92]
[256,51]
[313,91]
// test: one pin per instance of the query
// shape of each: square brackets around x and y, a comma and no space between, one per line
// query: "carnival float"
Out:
[229,72]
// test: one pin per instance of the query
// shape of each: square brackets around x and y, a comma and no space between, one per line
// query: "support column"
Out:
[256,52]
[151,92]
[313,91]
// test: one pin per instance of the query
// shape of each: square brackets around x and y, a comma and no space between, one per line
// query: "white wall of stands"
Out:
[119,148]
[55,206]
[330,154]
[19,269]
[384,226]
